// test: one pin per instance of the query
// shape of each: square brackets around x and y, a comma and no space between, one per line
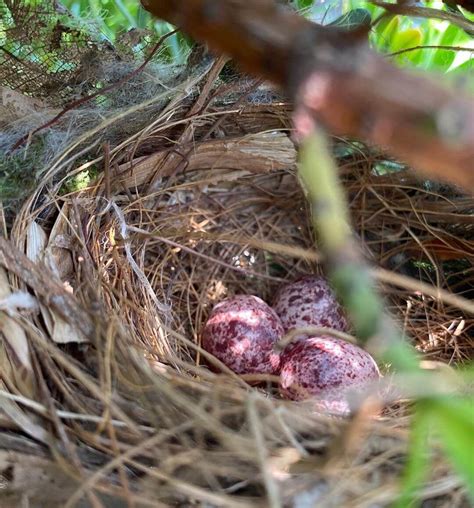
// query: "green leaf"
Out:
[382,25]
[304,4]
[454,420]
[416,468]
[125,13]
[452,36]
[401,355]
[387,31]
[406,39]
[463,57]
[354,19]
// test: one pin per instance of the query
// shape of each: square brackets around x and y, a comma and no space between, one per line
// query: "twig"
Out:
[262,454]
[312,331]
[427,289]
[429,46]
[66,415]
[429,13]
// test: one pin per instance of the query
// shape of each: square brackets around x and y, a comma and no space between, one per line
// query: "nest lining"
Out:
[146,251]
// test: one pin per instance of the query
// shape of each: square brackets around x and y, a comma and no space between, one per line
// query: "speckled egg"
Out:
[241,332]
[309,301]
[325,368]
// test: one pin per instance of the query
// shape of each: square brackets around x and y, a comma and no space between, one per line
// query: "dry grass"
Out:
[106,397]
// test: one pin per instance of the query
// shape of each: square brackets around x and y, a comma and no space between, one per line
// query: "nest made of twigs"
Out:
[107,395]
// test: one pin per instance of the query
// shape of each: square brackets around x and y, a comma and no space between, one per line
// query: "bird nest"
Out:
[107,398]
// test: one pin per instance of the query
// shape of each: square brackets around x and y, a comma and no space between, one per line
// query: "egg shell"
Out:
[325,368]
[309,301]
[241,332]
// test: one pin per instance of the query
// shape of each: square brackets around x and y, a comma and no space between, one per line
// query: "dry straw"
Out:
[105,394]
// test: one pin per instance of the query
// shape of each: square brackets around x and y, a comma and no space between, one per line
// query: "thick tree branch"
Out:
[340,81]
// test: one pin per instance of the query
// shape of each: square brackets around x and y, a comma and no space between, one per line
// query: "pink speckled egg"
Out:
[325,368]
[241,332]
[309,301]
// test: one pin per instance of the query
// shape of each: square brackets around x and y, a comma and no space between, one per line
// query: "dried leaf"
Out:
[15,361]
[28,424]
[59,260]
[57,254]
[12,331]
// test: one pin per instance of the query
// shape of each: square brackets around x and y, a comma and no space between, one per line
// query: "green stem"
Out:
[346,267]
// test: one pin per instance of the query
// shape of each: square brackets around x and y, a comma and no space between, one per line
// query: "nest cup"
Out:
[189,210]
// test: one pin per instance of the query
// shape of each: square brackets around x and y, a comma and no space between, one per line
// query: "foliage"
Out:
[113,17]
[408,37]
[451,420]
[79,181]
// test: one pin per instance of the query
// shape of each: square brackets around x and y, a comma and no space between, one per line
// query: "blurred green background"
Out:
[392,35]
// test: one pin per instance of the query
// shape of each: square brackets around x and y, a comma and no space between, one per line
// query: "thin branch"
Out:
[428,13]
[428,46]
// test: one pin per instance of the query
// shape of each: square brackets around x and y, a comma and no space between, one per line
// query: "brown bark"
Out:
[337,80]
